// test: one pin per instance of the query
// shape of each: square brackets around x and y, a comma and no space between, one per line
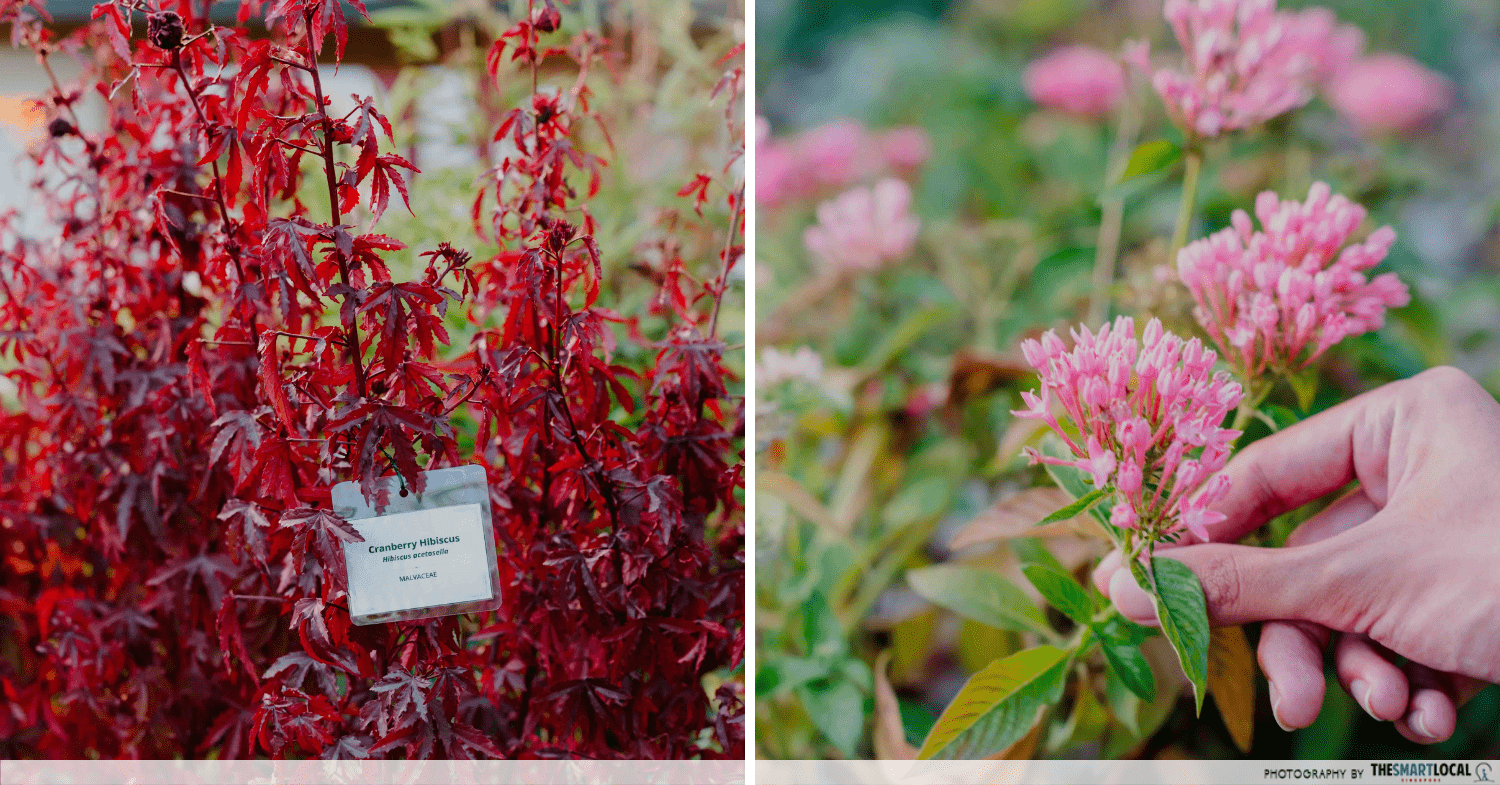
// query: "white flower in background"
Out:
[776,366]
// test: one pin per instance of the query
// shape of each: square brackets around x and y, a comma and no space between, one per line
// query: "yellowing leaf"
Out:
[998,705]
[1231,680]
[1024,748]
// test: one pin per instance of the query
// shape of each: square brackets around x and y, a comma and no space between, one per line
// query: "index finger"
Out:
[1309,460]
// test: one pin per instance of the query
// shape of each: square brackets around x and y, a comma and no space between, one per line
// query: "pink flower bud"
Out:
[1128,478]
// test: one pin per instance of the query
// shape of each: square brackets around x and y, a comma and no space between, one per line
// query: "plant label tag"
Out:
[425,554]
[395,569]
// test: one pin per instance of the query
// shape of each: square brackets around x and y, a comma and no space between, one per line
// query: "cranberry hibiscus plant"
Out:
[198,355]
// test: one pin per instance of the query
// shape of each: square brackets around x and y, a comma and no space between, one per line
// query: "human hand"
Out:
[1406,564]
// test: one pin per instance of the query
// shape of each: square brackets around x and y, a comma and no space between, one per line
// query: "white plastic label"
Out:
[418,559]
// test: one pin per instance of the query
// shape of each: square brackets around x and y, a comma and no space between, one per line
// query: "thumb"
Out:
[1241,583]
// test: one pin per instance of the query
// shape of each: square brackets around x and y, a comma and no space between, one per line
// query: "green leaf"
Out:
[1062,591]
[1123,702]
[1183,612]
[783,673]
[1123,630]
[924,499]
[1131,667]
[1305,385]
[822,634]
[1281,416]
[980,595]
[1151,157]
[837,710]
[1031,550]
[998,705]
[1078,506]
[906,332]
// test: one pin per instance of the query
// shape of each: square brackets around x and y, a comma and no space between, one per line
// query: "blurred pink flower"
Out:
[907,147]
[1244,66]
[1329,47]
[1079,80]
[1278,298]
[1390,93]
[777,175]
[836,154]
[864,228]
[1148,412]
[831,156]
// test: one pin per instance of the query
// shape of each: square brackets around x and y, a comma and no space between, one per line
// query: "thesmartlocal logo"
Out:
[1443,771]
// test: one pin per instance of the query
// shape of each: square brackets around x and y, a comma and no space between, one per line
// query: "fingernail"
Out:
[1360,689]
[1276,708]
[1418,723]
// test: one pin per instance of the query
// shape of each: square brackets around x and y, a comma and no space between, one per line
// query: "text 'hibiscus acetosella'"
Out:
[1145,417]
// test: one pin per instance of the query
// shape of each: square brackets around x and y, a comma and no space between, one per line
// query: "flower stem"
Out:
[1189,200]
[1112,219]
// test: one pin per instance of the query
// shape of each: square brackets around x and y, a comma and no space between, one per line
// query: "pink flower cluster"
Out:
[1329,47]
[1079,80]
[1147,415]
[1247,62]
[831,156]
[1278,298]
[864,228]
[1390,93]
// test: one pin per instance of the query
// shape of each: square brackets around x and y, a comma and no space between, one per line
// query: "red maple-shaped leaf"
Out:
[232,639]
[289,718]
[320,534]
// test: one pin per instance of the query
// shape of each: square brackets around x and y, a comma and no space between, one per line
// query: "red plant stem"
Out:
[723,281]
[218,197]
[533,39]
[355,352]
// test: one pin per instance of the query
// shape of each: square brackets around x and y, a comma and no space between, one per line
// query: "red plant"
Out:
[198,358]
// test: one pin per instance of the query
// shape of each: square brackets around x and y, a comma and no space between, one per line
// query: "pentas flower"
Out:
[1277,298]
[830,156]
[1078,80]
[1243,66]
[1390,93]
[1145,418]
[905,148]
[864,228]
[1329,47]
